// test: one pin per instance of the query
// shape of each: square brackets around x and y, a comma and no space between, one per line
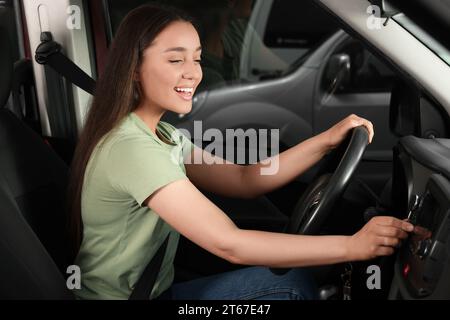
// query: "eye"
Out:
[199,61]
[175,61]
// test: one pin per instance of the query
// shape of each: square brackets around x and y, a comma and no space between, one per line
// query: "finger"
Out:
[394,222]
[384,251]
[388,241]
[388,231]
[371,131]
[355,121]
[407,226]
[369,127]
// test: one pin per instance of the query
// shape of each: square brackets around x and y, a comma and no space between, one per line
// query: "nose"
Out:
[192,72]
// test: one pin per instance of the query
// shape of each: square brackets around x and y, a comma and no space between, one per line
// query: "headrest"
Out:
[6,66]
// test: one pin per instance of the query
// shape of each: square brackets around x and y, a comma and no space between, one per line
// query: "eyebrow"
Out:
[181,49]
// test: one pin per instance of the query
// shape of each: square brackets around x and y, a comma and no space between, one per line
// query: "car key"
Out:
[414,207]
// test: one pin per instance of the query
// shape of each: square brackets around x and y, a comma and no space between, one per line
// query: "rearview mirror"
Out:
[386,9]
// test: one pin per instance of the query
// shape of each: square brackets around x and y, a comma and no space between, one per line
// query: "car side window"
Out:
[292,30]
[354,69]
[245,40]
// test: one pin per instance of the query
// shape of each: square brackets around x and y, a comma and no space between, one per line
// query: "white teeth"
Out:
[188,90]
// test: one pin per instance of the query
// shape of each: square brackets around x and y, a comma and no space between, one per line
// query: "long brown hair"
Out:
[117,94]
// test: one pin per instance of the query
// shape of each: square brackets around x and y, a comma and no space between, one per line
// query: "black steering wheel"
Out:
[316,203]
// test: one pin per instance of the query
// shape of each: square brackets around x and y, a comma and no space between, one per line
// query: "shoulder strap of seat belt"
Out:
[147,281]
[49,53]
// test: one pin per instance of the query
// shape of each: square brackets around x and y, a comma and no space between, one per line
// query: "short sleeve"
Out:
[181,137]
[140,167]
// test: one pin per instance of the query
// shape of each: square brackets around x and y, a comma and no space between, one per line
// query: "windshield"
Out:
[423,36]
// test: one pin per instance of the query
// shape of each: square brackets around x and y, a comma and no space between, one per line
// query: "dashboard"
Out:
[421,188]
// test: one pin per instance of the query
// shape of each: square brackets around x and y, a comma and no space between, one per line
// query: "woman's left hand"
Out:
[337,133]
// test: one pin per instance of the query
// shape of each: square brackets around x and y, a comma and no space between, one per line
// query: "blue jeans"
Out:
[254,283]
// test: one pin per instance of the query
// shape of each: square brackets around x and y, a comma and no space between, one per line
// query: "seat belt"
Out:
[49,53]
[147,281]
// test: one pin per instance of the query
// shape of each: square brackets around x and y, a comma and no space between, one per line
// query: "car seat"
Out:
[32,191]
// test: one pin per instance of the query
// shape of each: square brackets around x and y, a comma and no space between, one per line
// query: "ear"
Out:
[136,76]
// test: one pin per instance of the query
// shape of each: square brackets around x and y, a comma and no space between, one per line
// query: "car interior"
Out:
[336,200]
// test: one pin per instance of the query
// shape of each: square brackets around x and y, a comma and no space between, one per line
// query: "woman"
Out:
[128,194]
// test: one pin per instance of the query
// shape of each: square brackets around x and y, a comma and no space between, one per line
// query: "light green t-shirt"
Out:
[120,234]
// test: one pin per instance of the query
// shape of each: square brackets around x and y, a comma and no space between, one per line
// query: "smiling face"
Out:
[170,70]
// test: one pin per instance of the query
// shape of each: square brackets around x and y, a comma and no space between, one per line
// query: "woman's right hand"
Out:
[379,237]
